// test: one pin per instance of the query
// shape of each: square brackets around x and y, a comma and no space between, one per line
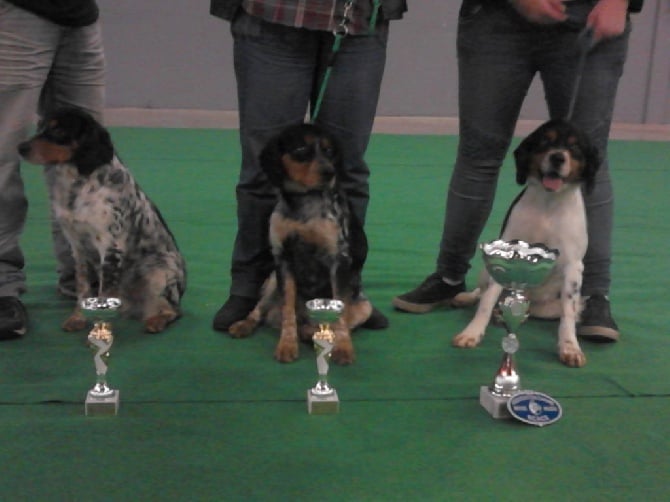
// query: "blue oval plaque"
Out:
[534,408]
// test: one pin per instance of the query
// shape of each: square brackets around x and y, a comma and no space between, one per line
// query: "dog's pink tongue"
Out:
[552,184]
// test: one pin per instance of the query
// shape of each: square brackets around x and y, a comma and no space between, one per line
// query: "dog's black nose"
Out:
[327,171]
[557,159]
[24,149]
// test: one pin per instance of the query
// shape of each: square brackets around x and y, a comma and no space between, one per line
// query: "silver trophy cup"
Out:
[517,266]
[101,400]
[322,399]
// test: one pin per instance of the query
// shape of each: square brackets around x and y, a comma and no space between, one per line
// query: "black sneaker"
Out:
[13,318]
[235,309]
[67,286]
[432,293]
[596,323]
[377,320]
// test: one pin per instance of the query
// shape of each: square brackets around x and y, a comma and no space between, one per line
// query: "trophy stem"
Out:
[323,345]
[100,389]
[507,381]
[322,388]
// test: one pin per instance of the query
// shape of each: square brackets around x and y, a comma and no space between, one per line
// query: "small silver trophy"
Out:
[101,400]
[322,398]
[515,265]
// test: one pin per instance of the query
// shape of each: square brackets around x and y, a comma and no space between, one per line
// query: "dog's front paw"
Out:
[242,329]
[571,356]
[157,323]
[466,340]
[343,353]
[286,351]
[76,322]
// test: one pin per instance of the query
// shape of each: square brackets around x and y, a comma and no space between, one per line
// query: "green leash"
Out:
[340,33]
[326,76]
[376,4]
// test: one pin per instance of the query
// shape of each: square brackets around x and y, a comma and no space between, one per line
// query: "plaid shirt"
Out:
[323,15]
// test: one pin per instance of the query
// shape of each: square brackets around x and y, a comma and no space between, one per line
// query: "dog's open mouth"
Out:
[552,182]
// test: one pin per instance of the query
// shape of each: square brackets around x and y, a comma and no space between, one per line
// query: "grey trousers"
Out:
[278,71]
[499,54]
[42,66]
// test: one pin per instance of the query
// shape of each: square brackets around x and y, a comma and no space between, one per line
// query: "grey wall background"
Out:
[171,54]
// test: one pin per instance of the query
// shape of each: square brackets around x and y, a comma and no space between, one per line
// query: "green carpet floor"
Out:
[206,417]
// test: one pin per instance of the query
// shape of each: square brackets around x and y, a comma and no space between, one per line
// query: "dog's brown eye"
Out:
[57,135]
[302,153]
[575,151]
[326,148]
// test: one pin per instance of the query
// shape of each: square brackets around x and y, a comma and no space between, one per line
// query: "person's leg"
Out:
[491,41]
[348,110]
[605,67]
[274,68]
[593,114]
[77,78]
[26,52]
[350,104]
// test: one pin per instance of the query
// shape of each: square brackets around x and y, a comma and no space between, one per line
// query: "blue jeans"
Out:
[42,66]
[499,54]
[278,71]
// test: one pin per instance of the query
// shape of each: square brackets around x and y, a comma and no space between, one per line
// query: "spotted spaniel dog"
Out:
[554,162]
[118,237]
[319,247]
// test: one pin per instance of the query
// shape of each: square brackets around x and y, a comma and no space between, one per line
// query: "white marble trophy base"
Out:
[100,406]
[322,405]
[494,404]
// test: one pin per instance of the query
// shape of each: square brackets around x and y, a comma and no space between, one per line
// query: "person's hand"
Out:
[608,19]
[541,11]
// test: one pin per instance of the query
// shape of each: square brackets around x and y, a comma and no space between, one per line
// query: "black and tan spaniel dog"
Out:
[554,162]
[319,247]
[118,237]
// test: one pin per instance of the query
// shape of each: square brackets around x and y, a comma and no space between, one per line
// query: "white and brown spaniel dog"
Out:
[119,239]
[554,162]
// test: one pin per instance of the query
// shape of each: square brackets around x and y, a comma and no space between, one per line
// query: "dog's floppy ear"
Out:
[592,161]
[338,156]
[94,148]
[271,162]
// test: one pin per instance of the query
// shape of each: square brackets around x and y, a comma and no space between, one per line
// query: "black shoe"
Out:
[67,287]
[235,309]
[596,323]
[13,318]
[377,320]
[433,292]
